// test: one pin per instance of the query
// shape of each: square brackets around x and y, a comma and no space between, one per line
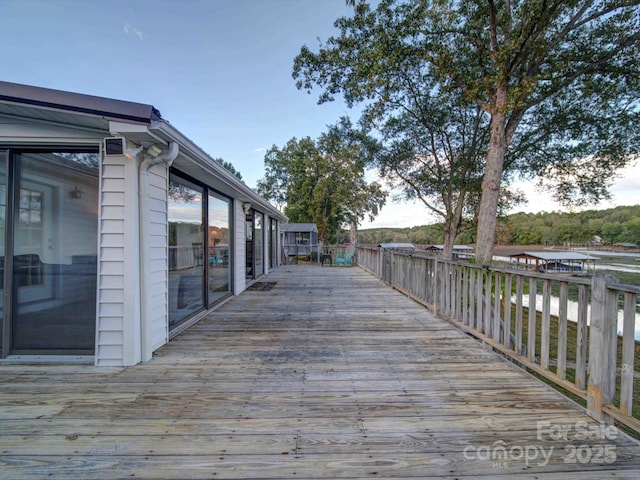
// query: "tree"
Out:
[229,166]
[433,149]
[559,81]
[322,181]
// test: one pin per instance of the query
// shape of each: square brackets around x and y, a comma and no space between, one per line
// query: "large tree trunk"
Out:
[353,233]
[488,208]
[450,234]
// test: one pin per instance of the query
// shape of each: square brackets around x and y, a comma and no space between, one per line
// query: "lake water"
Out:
[572,312]
[609,262]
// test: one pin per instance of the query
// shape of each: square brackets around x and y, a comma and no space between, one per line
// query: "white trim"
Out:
[131,351]
[240,241]
[57,359]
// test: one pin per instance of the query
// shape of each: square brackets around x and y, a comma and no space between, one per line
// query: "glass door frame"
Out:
[230,257]
[208,191]
[258,243]
[9,153]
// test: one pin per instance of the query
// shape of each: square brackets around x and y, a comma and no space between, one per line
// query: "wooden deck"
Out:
[331,374]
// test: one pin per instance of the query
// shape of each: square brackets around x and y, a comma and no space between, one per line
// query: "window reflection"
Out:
[186,250]
[54,252]
[219,245]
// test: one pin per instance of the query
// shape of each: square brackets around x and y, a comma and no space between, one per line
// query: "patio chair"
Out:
[346,257]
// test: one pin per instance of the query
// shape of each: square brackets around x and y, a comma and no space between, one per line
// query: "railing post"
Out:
[628,353]
[436,276]
[601,386]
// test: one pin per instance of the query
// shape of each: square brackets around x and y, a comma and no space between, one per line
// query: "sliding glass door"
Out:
[49,216]
[199,248]
[186,249]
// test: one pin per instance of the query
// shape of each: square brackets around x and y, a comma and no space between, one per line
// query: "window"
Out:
[186,249]
[219,247]
[52,221]
[200,241]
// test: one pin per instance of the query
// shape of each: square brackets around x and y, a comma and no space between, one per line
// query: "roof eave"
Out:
[50,99]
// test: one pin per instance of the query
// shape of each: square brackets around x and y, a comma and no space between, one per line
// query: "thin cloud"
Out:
[260,149]
[129,28]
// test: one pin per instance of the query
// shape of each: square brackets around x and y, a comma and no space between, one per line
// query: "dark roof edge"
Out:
[77,102]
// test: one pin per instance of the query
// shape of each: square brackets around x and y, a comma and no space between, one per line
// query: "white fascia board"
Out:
[121,127]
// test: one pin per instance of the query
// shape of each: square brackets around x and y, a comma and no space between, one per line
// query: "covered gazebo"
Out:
[554,262]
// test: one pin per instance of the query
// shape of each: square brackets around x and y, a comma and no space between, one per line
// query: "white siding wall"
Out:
[118,327]
[156,295]
[239,242]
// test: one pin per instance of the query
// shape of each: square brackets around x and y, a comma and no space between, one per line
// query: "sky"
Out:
[217,70]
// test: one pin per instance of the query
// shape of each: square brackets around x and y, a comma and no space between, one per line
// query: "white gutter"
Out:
[165,159]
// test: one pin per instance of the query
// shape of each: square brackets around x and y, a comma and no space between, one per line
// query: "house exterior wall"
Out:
[118,319]
[239,255]
[133,321]
[156,295]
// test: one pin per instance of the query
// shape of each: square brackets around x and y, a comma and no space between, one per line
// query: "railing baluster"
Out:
[561,371]
[602,348]
[479,296]
[472,299]
[465,295]
[446,289]
[545,336]
[436,276]
[488,319]
[496,305]
[519,313]
[581,337]
[506,338]
[457,295]
[531,333]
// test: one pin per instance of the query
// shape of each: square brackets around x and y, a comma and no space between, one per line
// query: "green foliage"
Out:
[616,225]
[229,166]
[620,224]
[322,181]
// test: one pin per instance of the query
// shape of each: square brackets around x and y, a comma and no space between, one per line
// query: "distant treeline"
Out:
[615,225]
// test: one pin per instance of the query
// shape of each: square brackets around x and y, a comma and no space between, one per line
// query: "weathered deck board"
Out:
[329,375]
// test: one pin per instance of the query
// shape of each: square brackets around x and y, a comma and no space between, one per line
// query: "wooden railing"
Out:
[572,337]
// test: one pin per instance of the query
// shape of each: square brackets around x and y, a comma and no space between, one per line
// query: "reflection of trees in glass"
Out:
[91,160]
[173,233]
[181,193]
